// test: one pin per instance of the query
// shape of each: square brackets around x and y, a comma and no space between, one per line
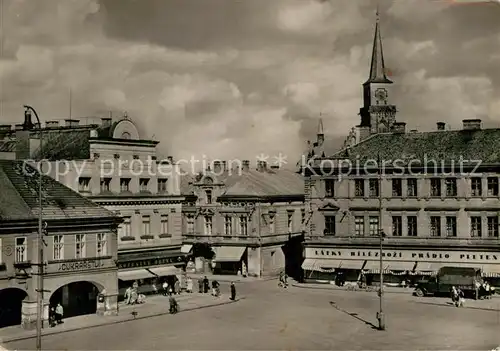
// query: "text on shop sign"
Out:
[80,266]
[150,262]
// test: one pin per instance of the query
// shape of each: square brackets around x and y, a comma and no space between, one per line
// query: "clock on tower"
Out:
[381,96]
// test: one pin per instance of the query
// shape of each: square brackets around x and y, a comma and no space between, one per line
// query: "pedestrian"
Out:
[206,285]
[52,317]
[200,286]
[174,307]
[165,288]
[233,291]
[128,294]
[155,289]
[461,298]
[189,286]
[454,296]
[59,313]
[177,287]
[215,288]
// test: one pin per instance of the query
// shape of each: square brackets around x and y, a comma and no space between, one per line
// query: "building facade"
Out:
[252,219]
[109,163]
[430,199]
[80,240]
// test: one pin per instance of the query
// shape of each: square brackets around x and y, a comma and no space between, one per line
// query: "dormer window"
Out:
[208,194]
[84,184]
[162,185]
[143,184]
[124,184]
[105,185]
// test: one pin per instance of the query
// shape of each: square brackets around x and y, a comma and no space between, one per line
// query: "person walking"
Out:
[189,285]
[165,288]
[59,313]
[233,291]
[200,286]
[215,288]
[206,285]
[177,287]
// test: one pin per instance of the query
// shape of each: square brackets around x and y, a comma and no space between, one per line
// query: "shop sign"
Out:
[80,266]
[405,255]
[150,262]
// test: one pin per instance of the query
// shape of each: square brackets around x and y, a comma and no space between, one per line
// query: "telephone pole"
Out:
[380,313]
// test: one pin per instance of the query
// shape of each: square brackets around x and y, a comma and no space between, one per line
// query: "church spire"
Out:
[377,68]
[320,125]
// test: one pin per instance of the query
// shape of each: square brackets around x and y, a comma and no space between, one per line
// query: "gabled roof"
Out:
[19,196]
[270,183]
[483,145]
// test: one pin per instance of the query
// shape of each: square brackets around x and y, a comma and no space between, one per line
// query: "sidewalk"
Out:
[154,306]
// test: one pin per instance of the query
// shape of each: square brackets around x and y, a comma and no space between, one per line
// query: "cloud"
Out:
[236,78]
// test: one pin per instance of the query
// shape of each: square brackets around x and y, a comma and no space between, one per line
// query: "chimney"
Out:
[245,165]
[217,166]
[72,123]
[261,166]
[170,159]
[52,124]
[28,121]
[23,143]
[224,166]
[106,122]
[441,125]
[471,124]
[4,130]
[399,127]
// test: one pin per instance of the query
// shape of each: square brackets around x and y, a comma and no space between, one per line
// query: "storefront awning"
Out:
[327,265]
[186,248]
[228,253]
[491,270]
[373,267]
[395,266]
[135,274]
[165,271]
[427,268]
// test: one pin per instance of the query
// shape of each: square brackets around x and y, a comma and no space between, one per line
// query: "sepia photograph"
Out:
[249,175]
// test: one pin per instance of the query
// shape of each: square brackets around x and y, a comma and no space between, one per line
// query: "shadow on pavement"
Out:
[450,304]
[354,315]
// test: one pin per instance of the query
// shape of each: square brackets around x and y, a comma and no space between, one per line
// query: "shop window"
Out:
[21,249]
[58,247]
[475,227]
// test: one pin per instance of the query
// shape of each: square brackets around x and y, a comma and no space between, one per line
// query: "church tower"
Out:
[378,115]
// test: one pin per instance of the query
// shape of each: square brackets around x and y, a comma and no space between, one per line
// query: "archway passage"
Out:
[11,300]
[293,252]
[78,298]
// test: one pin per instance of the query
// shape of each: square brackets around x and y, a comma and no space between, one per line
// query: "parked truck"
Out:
[467,279]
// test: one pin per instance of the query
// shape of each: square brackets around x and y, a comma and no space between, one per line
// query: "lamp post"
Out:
[40,308]
[380,313]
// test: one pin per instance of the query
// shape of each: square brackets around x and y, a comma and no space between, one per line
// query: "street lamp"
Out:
[381,234]
[40,308]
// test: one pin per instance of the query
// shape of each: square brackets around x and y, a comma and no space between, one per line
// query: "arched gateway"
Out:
[11,300]
[77,298]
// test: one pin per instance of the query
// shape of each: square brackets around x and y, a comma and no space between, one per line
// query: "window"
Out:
[143,184]
[412,225]
[397,187]
[451,187]
[243,225]
[302,215]
[435,226]
[359,225]
[374,190]
[493,227]
[329,188]
[208,225]
[190,224]
[126,227]
[397,226]
[272,224]
[84,184]
[105,185]
[289,221]
[162,185]
[228,225]
[164,224]
[359,185]
[58,247]
[102,247]
[475,227]
[451,226]
[21,249]
[124,184]
[492,186]
[146,225]
[411,187]
[374,230]
[475,187]
[329,225]
[80,247]
[208,193]
[435,187]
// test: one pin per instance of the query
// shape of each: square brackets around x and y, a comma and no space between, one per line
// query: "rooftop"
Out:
[19,196]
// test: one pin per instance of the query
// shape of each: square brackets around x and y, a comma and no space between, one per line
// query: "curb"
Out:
[328,287]
[7,339]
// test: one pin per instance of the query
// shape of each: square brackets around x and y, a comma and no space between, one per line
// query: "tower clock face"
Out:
[381,94]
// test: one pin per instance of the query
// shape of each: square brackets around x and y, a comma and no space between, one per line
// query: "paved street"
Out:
[270,318]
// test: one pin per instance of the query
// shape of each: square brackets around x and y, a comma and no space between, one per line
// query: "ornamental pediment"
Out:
[328,205]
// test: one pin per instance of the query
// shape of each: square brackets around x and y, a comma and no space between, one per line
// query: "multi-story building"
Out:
[432,197]
[79,251]
[252,219]
[109,163]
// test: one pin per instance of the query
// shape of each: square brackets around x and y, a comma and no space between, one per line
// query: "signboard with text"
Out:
[404,255]
[147,262]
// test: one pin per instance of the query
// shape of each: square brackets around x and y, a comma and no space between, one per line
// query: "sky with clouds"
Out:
[235,78]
